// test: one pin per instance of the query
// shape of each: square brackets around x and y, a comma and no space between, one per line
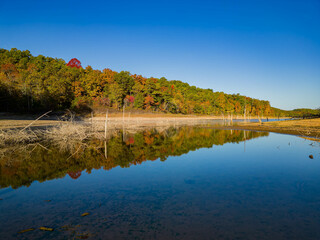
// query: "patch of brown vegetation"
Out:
[5,124]
[303,127]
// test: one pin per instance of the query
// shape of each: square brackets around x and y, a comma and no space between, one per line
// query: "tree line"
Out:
[37,83]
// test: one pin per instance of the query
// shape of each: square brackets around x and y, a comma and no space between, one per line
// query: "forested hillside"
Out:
[31,84]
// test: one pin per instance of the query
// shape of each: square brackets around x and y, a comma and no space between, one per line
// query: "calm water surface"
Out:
[186,183]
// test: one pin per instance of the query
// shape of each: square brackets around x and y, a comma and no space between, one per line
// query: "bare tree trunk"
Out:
[106,126]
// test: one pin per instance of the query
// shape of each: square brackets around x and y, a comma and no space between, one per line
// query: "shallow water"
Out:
[186,183]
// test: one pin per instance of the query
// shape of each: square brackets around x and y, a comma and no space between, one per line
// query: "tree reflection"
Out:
[22,166]
[74,175]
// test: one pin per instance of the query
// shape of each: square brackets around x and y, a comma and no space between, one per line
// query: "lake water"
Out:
[185,183]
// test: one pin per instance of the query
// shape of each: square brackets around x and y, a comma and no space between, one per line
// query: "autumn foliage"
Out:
[31,84]
[74,63]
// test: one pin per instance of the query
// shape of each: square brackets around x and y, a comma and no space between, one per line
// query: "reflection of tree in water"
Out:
[129,140]
[74,175]
[27,164]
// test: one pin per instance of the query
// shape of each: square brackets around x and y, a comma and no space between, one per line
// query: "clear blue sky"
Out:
[263,49]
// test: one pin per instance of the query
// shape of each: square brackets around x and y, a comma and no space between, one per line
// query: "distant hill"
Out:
[31,84]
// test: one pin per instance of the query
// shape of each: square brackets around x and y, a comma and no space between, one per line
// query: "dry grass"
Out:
[6,124]
[303,127]
[305,123]
[65,133]
[16,137]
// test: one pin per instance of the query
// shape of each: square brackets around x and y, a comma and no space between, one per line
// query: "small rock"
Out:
[26,230]
[46,229]
[85,214]
[311,156]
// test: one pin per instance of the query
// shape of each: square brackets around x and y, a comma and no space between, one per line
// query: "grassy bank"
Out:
[65,132]
[303,127]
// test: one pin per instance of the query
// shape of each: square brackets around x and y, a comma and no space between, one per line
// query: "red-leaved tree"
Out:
[74,63]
